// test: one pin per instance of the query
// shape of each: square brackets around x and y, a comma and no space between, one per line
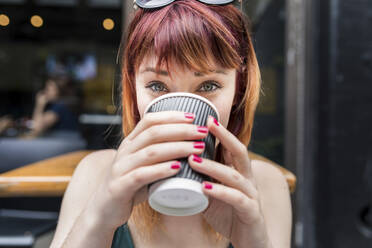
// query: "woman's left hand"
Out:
[41,98]
[234,209]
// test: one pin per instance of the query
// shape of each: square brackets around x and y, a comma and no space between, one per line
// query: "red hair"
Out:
[196,36]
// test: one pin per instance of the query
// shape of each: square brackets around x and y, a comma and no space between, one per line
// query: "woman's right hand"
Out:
[144,156]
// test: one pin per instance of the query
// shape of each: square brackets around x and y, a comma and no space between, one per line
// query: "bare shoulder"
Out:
[89,173]
[268,175]
[87,176]
[96,160]
[275,201]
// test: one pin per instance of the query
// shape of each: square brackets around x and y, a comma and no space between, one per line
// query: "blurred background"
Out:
[314,117]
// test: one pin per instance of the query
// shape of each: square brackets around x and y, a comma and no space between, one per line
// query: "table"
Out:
[50,177]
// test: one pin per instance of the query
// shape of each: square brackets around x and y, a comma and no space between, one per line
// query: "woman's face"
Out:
[217,86]
[51,90]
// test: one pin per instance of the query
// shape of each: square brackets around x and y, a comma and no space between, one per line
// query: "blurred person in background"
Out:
[55,108]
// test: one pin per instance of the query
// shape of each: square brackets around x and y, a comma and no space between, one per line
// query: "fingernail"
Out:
[199,144]
[189,115]
[202,129]
[196,158]
[215,121]
[208,186]
[176,165]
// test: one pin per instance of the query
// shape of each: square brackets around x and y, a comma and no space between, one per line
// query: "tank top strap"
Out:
[122,237]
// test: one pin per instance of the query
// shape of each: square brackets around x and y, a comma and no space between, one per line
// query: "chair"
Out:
[18,152]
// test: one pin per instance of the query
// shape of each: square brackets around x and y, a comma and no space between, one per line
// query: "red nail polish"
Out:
[208,186]
[199,144]
[202,129]
[176,165]
[189,115]
[215,121]
[196,158]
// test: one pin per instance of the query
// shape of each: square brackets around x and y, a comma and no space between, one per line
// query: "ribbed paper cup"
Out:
[182,195]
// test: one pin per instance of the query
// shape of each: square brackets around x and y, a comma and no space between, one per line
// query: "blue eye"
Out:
[157,87]
[211,84]
[154,86]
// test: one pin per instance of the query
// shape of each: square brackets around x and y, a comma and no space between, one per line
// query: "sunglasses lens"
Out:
[217,2]
[150,4]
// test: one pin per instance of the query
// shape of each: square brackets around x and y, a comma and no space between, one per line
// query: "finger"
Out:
[136,179]
[166,133]
[239,153]
[226,175]
[156,153]
[238,200]
[227,157]
[154,118]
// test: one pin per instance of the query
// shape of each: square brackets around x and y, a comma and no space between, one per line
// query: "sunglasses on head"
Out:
[151,4]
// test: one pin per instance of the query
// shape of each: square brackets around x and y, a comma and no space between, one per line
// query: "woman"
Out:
[191,47]
[53,108]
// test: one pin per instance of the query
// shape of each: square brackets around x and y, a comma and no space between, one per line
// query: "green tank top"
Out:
[123,238]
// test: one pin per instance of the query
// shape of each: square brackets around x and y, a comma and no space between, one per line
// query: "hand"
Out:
[41,98]
[144,156]
[234,209]
[5,123]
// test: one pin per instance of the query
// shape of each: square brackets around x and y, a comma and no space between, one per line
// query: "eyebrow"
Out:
[165,73]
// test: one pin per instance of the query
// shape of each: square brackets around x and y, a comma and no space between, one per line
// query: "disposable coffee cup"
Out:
[182,195]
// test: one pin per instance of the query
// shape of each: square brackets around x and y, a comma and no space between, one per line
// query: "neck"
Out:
[183,229]
[183,232]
